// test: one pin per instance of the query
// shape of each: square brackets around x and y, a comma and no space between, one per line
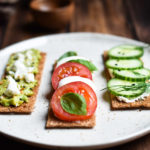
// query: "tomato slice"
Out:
[74,87]
[69,69]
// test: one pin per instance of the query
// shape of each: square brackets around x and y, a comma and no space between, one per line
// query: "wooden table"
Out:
[128,18]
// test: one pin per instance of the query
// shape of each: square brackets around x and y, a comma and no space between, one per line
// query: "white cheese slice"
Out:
[77,78]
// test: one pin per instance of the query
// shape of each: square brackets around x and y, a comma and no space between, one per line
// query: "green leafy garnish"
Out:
[67,54]
[86,63]
[74,103]
[133,87]
[137,73]
[144,87]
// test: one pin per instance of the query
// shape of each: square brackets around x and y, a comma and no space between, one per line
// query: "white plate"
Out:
[112,127]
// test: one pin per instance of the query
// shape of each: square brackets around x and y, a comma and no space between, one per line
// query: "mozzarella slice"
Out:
[77,78]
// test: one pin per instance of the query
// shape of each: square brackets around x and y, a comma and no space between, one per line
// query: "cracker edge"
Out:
[53,122]
[27,108]
[118,105]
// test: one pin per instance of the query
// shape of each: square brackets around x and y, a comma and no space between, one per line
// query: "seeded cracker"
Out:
[53,122]
[116,104]
[27,108]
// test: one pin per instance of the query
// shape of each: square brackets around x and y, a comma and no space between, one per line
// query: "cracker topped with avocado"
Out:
[19,85]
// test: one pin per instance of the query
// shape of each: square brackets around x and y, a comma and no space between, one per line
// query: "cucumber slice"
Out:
[126,52]
[133,75]
[122,64]
[126,88]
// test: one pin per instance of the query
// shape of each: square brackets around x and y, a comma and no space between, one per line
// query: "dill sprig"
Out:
[132,87]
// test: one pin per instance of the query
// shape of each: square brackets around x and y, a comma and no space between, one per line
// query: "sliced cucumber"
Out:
[133,75]
[126,88]
[126,52]
[124,64]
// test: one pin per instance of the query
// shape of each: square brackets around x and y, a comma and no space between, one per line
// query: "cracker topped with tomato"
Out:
[74,100]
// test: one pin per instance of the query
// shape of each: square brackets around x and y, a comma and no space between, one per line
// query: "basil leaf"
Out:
[74,103]
[86,63]
[67,54]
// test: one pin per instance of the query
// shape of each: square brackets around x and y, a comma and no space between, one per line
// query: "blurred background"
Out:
[24,19]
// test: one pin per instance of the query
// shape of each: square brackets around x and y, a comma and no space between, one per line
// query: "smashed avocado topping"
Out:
[17,85]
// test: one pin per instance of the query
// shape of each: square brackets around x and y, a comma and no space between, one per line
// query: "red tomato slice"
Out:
[75,87]
[69,69]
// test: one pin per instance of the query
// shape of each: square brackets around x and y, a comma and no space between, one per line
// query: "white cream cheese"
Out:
[64,60]
[29,77]
[12,88]
[29,54]
[131,100]
[29,57]
[21,71]
[77,78]
[20,57]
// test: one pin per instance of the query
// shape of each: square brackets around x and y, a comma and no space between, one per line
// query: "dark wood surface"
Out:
[128,18]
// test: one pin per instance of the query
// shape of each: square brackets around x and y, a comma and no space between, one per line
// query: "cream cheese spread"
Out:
[12,88]
[21,71]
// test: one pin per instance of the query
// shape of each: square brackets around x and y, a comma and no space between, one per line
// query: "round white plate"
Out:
[112,127]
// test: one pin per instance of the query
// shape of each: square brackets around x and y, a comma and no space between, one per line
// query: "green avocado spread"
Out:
[19,81]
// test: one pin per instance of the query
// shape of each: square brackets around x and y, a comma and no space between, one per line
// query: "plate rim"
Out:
[119,141]
[95,146]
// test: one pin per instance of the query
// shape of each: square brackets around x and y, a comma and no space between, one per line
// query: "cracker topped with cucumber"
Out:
[128,79]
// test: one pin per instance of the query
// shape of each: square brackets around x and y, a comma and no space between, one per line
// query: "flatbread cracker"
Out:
[118,105]
[53,122]
[27,108]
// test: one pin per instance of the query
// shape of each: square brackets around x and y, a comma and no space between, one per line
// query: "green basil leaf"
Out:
[67,54]
[86,63]
[74,103]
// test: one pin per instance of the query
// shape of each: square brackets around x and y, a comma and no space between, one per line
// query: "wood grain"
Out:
[5,14]
[21,26]
[140,14]
[101,16]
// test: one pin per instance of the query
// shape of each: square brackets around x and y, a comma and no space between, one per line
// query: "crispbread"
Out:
[27,108]
[53,122]
[116,104]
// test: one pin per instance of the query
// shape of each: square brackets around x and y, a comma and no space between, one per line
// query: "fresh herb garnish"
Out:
[129,87]
[67,54]
[137,73]
[74,103]
[142,86]
[86,63]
